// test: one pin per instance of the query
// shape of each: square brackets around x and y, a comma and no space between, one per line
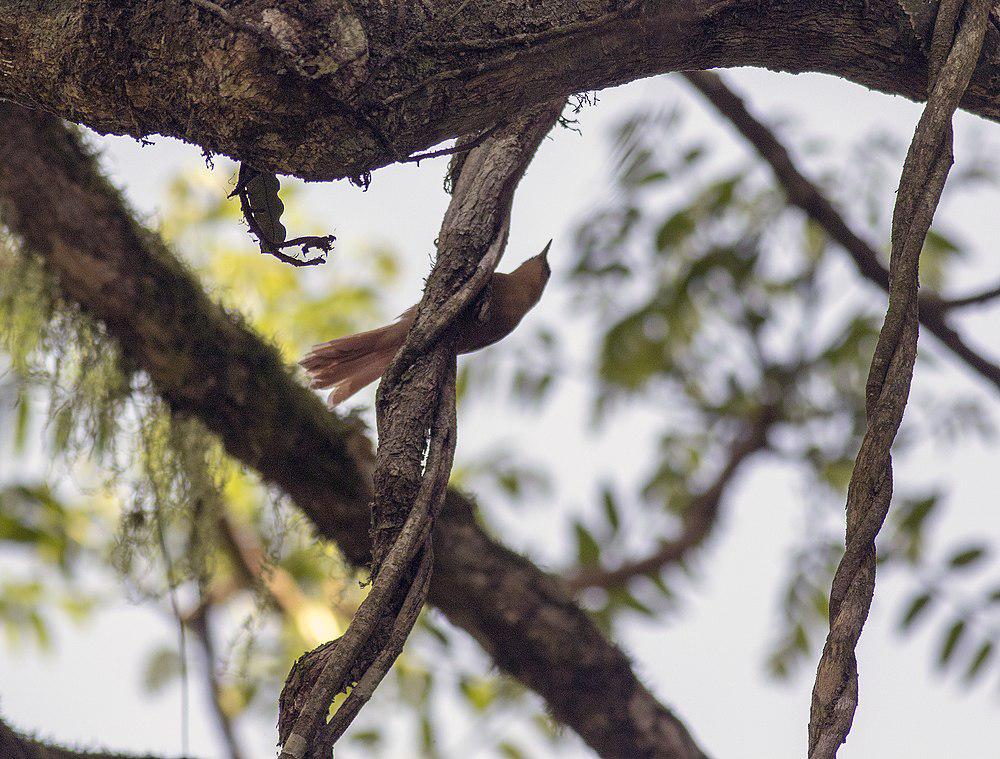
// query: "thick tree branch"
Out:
[207,364]
[339,89]
[804,194]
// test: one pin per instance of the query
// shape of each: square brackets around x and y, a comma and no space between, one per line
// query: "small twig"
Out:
[976,299]
[458,148]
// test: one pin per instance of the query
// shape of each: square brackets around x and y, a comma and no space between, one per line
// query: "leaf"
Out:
[967,557]
[661,585]
[917,607]
[265,206]
[23,416]
[719,194]
[951,641]
[653,177]
[479,692]
[161,667]
[610,509]
[917,513]
[674,230]
[622,597]
[426,734]
[367,738]
[588,551]
[510,751]
[979,660]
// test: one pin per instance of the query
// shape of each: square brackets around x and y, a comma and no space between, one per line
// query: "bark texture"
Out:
[207,364]
[325,89]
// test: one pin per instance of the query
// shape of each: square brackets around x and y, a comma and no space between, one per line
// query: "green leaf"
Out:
[967,557]
[161,668]
[622,597]
[510,751]
[636,605]
[652,178]
[917,513]
[917,607]
[426,734]
[369,738]
[23,415]
[719,194]
[979,660]
[479,692]
[661,585]
[951,641]
[674,230]
[588,551]
[610,509]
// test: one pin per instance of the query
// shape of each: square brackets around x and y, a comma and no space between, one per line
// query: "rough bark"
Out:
[206,363]
[325,89]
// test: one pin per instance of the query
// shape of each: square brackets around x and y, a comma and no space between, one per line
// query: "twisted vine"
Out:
[415,408]
[953,57]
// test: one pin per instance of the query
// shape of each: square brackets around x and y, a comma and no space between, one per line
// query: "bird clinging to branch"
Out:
[348,364]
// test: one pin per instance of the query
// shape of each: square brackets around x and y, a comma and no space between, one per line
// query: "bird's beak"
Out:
[544,258]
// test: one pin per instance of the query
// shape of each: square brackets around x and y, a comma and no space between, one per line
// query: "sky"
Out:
[707,662]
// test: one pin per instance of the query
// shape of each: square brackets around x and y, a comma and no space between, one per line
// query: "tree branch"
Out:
[201,624]
[807,196]
[340,89]
[975,299]
[697,522]
[207,364]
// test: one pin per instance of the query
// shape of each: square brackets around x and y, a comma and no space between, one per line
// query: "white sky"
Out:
[707,662]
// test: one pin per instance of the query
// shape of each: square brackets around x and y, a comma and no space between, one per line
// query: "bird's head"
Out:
[538,266]
[532,275]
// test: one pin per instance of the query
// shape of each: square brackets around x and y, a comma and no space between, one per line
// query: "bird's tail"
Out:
[350,363]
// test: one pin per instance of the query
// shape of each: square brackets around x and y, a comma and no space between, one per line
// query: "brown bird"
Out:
[350,363]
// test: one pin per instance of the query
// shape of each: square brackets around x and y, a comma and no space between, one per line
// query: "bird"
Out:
[348,364]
